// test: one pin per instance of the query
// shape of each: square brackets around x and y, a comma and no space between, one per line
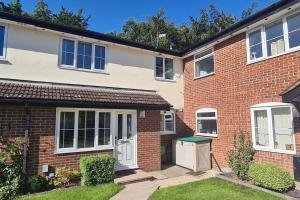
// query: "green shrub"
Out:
[97,169]
[241,156]
[11,162]
[37,184]
[64,176]
[270,177]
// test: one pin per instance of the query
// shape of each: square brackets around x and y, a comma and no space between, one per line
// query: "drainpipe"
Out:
[26,130]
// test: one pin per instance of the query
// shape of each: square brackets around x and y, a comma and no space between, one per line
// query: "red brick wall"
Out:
[42,138]
[234,88]
[148,141]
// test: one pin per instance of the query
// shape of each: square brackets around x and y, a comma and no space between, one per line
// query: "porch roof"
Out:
[292,94]
[54,94]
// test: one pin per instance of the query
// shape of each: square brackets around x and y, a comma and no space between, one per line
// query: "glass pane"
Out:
[101,137]
[86,129]
[90,119]
[203,53]
[104,128]
[294,30]
[66,138]
[282,128]
[120,126]
[68,118]
[275,41]
[206,114]
[255,45]
[81,138]
[99,57]
[107,137]
[100,63]
[205,66]
[159,67]
[129,126]
[207,126]
[261,127]
[2,34]
[67,52]
[169,71]
[84,55]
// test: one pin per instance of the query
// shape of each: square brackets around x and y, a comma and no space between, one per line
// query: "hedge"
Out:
[97,169]
[270,177]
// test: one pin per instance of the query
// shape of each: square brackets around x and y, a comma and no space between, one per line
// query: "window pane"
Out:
[282,128]
[205,66]
[261,127]
[207,126]
[206,114]
[169,71]
[159,71]
[129,126]
[86,129]
[294,30]
[205,53]
[66,134]
[67,52]
[99,57]
[275,41]
[104,128]
[255,45]
[120,126]
[2,34]
[84,55]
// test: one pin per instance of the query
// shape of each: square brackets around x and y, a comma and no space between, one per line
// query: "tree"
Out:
[42,11]
[249,11]
[15,7]
[69,18]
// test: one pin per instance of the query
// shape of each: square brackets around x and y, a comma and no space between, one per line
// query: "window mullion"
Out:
[286,34]
[75,53]
[164,68]
[264,41]
[93,57]
[270,128]
[96,139]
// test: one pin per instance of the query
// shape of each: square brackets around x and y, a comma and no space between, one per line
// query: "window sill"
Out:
[200,77]
[166,80]
[207,135]
[83,70]
[270,57]
[259,148]
[167,133]
[66,151]
[4,61]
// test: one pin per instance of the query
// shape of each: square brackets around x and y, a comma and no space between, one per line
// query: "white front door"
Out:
[125,151]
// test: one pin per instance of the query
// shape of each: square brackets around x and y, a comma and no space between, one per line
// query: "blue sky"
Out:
[110,15]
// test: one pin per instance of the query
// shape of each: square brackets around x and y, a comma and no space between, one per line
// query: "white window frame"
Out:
[202,58]
[75,143]
[164,69]
[207,110]
[171,112]
[3,57]
[267,107]
[265,56]
[74,66]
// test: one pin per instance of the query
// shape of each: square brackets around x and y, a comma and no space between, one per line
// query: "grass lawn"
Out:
[100,192]
[210,189]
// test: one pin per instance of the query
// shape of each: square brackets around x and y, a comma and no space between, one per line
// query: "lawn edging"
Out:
[254,187]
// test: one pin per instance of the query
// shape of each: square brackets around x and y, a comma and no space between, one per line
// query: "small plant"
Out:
[270,177]
[64,176]
[241,156]
[11,162]
[37,184]
[97,169]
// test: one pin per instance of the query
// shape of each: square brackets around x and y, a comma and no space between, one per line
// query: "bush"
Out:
[64,176]
[11,163]
[241,156]
[37,184]
[97,169]
[270,177]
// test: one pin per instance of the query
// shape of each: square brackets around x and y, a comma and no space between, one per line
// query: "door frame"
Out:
[134,137]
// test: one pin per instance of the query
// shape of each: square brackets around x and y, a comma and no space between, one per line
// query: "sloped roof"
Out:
[53,94]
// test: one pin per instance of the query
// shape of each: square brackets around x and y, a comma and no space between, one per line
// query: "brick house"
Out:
[76,92]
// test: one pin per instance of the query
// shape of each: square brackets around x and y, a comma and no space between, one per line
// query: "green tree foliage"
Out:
[69,18]
[15,7]
[42,11]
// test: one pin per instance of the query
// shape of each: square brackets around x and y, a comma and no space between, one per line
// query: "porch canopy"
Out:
[292,94]
[14,92]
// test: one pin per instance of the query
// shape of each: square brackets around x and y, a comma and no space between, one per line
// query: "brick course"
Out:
[234,88]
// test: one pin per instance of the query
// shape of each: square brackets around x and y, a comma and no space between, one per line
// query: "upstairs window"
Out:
[206,122]
[82,55]
[274,39]
[164,68]
[272,128]
[204,64]
[167,122]
[2,41]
